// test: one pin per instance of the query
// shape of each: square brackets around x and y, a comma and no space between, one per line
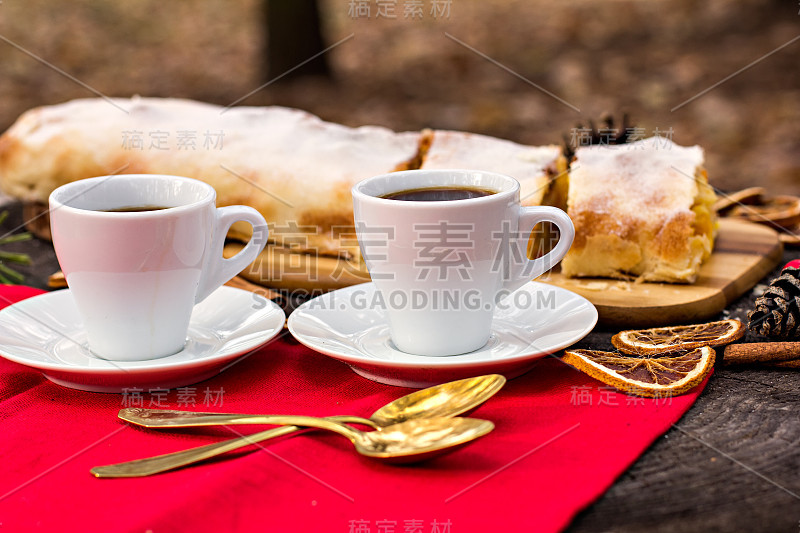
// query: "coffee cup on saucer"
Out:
[139,251]
[443,248]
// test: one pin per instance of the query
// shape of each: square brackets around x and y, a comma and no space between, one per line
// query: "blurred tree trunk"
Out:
[293,36]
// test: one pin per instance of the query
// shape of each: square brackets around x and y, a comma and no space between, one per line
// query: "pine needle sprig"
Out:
[8,275]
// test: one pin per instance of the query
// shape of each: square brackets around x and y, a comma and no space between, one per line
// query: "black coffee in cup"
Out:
[438,194]
[135,208]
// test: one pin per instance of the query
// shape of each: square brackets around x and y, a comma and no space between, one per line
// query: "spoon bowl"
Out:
[445,400]
[421,439]
[409,441]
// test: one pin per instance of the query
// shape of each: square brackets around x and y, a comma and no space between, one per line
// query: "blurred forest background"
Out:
[480,66]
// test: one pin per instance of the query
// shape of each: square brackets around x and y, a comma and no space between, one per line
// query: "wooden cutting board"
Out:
[744,253]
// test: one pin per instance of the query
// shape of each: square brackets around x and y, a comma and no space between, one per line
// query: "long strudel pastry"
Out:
[296,169]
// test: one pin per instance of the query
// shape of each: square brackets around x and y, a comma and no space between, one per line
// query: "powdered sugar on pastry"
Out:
[653,174]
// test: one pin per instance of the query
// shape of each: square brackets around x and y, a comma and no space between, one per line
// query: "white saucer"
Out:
[45,332]
[535,321]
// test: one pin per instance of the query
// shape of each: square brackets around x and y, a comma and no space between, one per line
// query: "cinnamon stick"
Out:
[761,352]
[794,363]
[57,280]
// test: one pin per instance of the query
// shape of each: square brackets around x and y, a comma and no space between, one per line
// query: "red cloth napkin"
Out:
[561,438]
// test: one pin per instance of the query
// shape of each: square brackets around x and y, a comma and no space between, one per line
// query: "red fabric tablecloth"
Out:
[561,438]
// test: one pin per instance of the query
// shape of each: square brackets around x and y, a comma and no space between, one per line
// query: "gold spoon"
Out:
[404,442]
[446,400]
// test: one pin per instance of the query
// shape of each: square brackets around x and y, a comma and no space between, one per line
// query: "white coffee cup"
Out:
[441,267]
[136,276]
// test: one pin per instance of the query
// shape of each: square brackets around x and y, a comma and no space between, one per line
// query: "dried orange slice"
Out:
[668,339]
[745,196]
[780,211]
[656,376]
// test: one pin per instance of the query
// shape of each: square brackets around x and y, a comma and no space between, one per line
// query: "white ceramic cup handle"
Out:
[219,270]
[533,268]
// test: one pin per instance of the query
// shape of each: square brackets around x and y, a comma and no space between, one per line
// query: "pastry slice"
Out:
[641,211]
[304,274]
[541,170]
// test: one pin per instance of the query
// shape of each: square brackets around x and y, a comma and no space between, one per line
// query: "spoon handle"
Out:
[170,461]
[157,418]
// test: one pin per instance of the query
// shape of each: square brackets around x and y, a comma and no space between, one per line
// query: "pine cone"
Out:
[593,136]
[777,311]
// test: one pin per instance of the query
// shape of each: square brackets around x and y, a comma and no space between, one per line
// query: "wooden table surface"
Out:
[732,463]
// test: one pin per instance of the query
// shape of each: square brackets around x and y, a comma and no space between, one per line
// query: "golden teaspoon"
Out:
[445,400]
[404,442]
